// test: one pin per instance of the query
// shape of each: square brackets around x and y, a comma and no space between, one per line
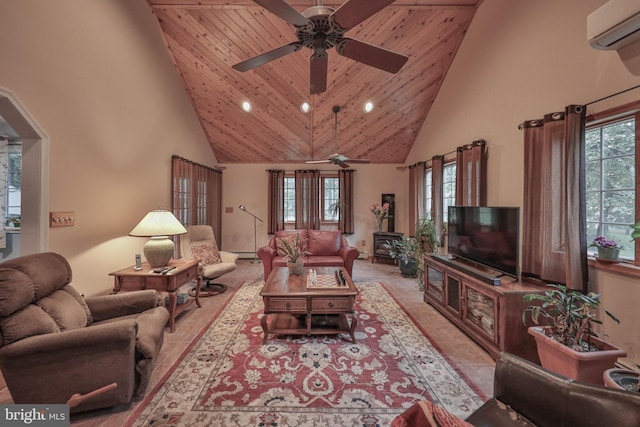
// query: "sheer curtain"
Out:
[197,195]
[416,195]
[554,247]
[471,174]
[307,199]
[276,201]
[345,182]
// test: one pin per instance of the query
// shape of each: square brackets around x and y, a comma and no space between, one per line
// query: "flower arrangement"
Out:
[603,242]
[381,213]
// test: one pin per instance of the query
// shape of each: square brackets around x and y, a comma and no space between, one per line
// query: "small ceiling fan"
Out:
[337,158]
[320,28]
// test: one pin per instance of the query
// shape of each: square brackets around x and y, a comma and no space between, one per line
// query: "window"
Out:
[330,195]
[611,180]
[329,199]
[14,187]
[289,199]
[428,191]
[448,188]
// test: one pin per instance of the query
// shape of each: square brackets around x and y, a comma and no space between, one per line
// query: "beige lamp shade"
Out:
[159,225]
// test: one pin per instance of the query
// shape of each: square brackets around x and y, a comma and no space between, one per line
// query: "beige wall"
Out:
[247,185]
[519,61]
[97,79]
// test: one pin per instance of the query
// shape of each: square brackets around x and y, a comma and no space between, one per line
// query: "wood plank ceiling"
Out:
[206,37]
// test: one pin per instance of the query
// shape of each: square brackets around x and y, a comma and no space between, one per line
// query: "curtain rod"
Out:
[612,95]
[310,170]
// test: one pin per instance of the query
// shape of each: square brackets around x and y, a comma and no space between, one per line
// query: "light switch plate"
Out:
[62,219]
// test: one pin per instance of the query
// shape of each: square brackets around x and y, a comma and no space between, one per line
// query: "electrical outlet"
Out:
[364,243]
[62,219]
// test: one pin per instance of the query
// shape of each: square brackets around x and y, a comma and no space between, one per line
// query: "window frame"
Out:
[323,221]
[445,207]
[610,116]
[323,200]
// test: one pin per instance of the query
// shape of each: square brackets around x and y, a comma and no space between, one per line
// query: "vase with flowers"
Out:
[381,212]
[608,249]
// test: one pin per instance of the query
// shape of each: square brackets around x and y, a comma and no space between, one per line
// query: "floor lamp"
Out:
[255,235]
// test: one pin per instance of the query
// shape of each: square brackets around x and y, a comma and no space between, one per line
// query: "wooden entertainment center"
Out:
[485,306]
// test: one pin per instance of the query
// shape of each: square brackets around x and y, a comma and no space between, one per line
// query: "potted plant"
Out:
[624,379]
[293,253]
[567,343]
[427,233]
[636,231]
[408,251]
[608,250]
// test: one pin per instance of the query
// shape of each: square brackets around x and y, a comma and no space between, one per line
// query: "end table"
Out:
[130,279]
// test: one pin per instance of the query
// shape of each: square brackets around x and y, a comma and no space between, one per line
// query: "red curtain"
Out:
[554,247]
[471,174]
[275,221]
[345,182]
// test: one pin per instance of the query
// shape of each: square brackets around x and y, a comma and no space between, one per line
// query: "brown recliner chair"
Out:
[54,343]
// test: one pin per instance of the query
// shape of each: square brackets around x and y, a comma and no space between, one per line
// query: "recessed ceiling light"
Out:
[246,106]
[305,107]
[368,107]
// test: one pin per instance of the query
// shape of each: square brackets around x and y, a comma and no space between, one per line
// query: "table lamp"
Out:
[159,225]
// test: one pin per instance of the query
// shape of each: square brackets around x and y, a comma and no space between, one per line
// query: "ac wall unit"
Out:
[614,25]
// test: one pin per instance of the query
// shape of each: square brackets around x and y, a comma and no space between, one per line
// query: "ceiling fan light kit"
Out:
[320,28]
[337,158]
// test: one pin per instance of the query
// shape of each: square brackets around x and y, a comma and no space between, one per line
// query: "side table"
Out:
[130,279]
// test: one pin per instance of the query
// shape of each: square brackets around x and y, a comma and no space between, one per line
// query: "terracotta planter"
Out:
[622,379]
[582,366]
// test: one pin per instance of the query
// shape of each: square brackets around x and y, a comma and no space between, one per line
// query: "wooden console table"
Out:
[130,279]
[300,310]
[485,307]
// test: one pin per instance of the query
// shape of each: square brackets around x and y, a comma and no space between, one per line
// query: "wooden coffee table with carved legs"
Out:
[298,307]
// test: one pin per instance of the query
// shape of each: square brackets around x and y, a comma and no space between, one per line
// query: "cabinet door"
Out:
[481,311]
[453,292]
[434,283]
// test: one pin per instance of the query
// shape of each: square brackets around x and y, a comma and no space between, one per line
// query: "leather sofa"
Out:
[526,394]
[327,248]
[55,344]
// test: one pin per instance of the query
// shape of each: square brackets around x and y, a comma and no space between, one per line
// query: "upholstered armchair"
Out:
[200,243]
[55,344]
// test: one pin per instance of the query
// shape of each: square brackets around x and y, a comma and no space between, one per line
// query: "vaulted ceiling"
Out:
[206,38]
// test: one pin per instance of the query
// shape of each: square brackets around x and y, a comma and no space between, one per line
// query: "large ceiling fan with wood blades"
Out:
[320,28]
[337,158]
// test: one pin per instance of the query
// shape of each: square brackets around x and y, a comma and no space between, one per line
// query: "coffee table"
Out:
[299,309]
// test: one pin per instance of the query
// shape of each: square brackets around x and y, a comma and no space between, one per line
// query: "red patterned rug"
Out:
[229,378]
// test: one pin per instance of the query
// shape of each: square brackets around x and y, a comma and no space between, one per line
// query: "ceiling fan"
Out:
[337,158]
[320,28]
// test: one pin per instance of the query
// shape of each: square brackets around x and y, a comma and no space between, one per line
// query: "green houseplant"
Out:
[567,343]
[408,251]
[427,233]
[289,248]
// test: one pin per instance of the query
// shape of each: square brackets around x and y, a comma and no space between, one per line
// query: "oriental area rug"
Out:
[228,377]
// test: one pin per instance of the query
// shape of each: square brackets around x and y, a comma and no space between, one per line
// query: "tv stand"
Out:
[485,306]
[491,277]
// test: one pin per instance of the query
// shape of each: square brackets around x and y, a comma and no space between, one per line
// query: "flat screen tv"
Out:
[488,236]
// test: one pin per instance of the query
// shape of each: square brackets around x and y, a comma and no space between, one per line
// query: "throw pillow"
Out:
[207,253]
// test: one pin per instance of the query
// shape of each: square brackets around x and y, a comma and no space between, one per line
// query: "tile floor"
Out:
[472,360]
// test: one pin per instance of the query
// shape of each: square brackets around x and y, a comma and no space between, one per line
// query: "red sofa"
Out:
[327,248]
